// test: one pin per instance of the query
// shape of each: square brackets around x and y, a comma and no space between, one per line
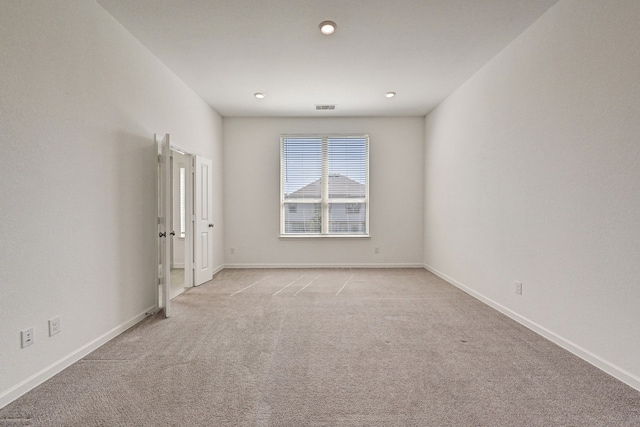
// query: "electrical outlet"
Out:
[376,250]
[518,288]
[27,337]
[54,326]
[233,251]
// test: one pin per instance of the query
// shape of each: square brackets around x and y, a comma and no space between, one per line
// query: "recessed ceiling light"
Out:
[327,27]
[390,94]
[259,95]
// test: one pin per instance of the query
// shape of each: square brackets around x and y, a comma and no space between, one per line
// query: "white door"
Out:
[164,223]
[203,236]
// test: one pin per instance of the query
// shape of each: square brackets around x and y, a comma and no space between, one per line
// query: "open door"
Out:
[181,236]
[203,241]
[164,224]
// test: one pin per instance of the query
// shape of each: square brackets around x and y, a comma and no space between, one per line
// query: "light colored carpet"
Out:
[328,348]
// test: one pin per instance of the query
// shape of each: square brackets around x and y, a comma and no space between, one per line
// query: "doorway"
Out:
[185,224]
[181,236]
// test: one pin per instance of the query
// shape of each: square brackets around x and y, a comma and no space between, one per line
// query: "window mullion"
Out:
[325,186]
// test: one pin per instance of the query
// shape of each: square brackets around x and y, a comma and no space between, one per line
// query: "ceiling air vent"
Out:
[325,107]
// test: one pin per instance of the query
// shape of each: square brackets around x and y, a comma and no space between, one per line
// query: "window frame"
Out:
[324,201]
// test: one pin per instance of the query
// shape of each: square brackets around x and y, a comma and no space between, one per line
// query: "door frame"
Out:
[163,288]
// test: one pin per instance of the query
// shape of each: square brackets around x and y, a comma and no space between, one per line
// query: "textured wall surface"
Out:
[80,100]
[533,175]
[252,194]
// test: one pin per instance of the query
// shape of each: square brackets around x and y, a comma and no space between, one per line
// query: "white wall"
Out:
[252,194]
[533,174]
[80,100]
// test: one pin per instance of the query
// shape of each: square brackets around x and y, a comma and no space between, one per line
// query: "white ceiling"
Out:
[226,50]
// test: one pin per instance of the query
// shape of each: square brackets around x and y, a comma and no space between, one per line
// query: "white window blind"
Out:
[324,187]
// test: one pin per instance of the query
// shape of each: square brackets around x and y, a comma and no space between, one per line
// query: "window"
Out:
[183,207]
[324,185]
[352,208]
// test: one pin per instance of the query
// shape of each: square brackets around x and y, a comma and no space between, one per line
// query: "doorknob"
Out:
[210,225]
[163,235]
[173,233]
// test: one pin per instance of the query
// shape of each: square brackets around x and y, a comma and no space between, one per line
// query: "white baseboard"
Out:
[326,265]
[608,367]
[43,375]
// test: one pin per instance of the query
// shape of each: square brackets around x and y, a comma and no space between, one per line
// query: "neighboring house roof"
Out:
[340,187]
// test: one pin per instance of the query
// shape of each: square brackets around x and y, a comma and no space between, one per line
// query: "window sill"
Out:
[322,236]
